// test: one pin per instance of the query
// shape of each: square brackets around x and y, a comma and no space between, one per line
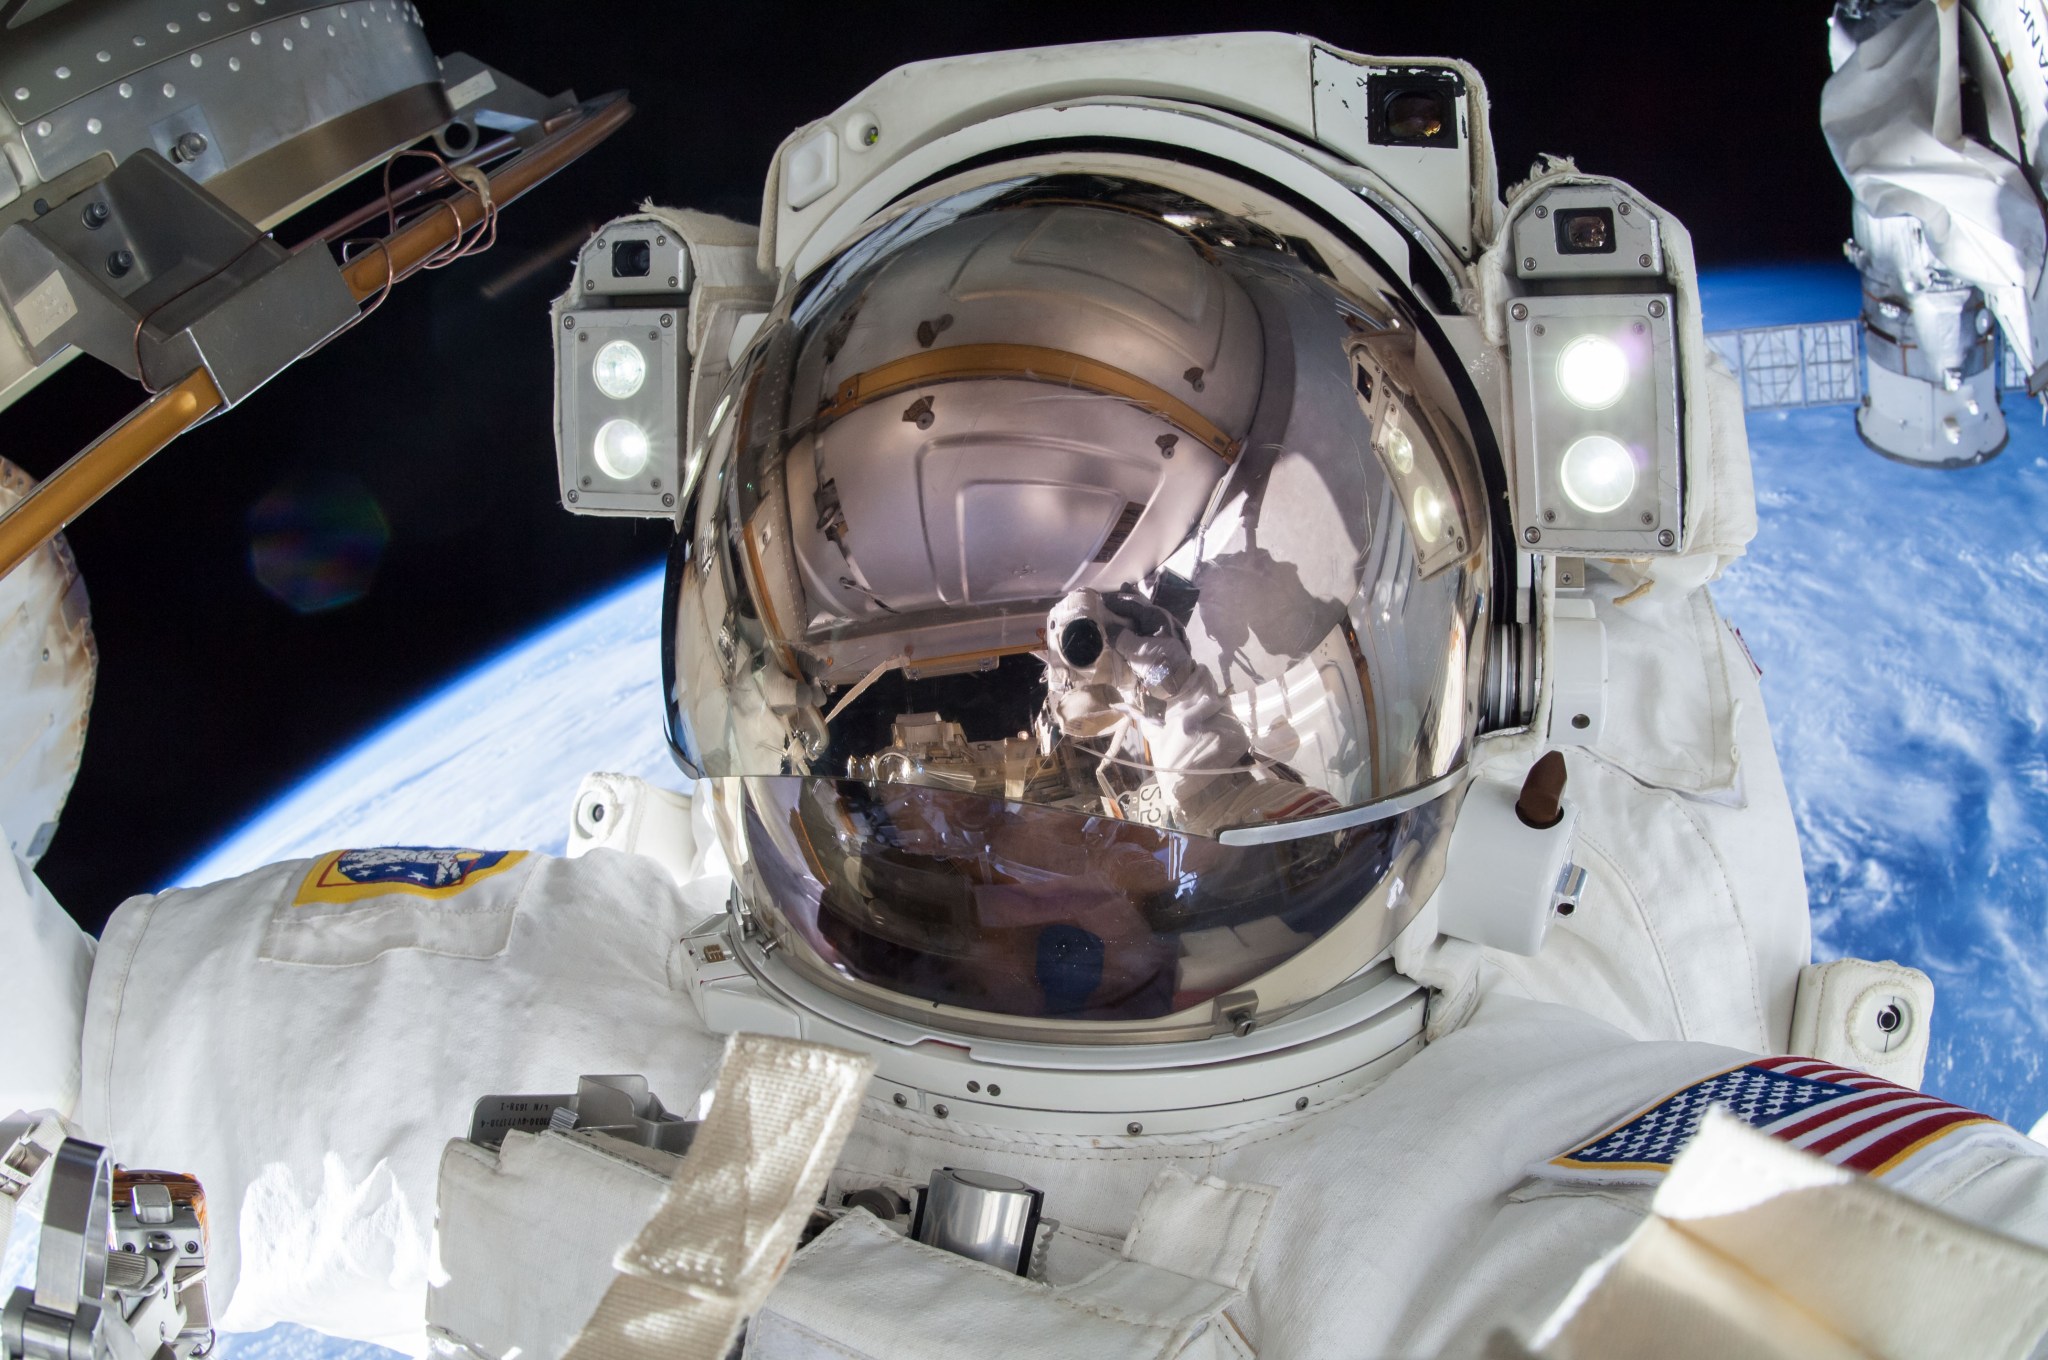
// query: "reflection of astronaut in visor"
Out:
[1119,669]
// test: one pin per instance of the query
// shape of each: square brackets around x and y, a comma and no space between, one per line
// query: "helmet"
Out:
[1078,610]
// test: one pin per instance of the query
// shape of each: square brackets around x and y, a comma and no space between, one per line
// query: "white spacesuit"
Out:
[1162,507]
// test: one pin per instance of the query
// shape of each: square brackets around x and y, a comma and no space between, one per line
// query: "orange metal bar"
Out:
[70,490]
[42,514]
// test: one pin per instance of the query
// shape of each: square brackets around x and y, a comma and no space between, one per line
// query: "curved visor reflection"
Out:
[1019,910]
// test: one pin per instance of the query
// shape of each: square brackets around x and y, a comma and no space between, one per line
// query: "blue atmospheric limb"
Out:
[494,758]
[1896,614]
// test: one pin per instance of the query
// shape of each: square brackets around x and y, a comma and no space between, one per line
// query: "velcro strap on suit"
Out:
[730,1221]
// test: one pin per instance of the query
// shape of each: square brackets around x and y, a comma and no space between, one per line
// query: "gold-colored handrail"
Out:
[69,491]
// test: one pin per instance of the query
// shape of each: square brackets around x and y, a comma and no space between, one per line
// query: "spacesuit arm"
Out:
[45,961]
[1929,199]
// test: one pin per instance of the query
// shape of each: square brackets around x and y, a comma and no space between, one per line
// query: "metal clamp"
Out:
[60,1318]
[621,1106]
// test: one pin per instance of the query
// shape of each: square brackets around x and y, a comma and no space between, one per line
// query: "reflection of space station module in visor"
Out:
[1935,116]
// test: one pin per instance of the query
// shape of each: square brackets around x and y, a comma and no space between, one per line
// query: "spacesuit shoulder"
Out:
[305,1037]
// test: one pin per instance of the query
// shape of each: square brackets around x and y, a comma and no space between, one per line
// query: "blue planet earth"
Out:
[1898,615]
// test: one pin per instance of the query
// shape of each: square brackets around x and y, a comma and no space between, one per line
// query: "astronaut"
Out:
[1188,627]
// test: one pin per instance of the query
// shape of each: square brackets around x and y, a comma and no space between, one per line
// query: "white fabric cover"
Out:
[1693,922]
[933,1304]
[1837,1018]
[1756,1251]
[45,961]
[670,826]
[48,663]
[541,1207]
[865,1290]
[313,1100]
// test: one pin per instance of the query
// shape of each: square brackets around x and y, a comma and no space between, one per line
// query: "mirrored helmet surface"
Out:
[1077,609]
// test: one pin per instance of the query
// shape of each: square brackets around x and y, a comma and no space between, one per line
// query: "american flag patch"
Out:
[1849,1118]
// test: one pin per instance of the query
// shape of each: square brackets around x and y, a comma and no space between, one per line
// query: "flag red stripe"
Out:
[1878,1117]
[1847,1076]
[1813,1069]
[1842,1144]
[1885,1148]
[1816,1119]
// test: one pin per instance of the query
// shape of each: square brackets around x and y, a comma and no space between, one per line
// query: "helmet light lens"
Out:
[1593,372]
[620,449]
[1598,474]
[619,369]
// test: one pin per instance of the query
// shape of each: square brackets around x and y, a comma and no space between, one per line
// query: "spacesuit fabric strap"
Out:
[1766,1251]
[1205,1229]
[725,1230]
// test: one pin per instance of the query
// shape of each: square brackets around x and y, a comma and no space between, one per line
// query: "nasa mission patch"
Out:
[415,870]
[1843,1116]
[353,906]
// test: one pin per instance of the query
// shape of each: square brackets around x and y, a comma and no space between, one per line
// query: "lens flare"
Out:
[1598,474]
[315,542]
[1593,372]
[619,369]
[620,449]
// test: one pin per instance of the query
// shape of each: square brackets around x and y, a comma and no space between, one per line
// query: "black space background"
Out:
[214,698]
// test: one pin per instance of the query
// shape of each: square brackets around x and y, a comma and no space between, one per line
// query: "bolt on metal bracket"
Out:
[151,274]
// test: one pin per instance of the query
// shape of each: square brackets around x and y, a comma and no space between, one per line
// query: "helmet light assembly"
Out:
[1598,457]
[622,372]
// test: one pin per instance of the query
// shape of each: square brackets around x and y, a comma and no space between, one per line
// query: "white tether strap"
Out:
[730,1221]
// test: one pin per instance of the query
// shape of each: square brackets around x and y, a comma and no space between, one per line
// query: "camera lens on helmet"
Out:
[1417,115]
[1586,231]
[631,259]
